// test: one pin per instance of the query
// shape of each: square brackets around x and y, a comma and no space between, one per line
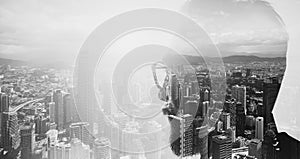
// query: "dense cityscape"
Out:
[39,119]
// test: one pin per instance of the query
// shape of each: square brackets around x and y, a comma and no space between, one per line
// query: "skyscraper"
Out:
[204,109]
[191,107]
[219,126]
[52,111]
[69,108]
[3,108]
[27,140]
[186,134]
[10,131]
[80,130]
[240,119]
[232,132]
[204,94]
[59,109]
[4,102]
[239,94]
[232,111]
[201,142]
[250,122]
[270,91]
[182,142]
[259,128]
[222,147]
[225,118]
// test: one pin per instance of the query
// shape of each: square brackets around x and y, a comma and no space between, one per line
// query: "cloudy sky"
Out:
[55,30]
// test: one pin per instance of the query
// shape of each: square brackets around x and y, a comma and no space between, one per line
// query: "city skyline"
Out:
[149,79]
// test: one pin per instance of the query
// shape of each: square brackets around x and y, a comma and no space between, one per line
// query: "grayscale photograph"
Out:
[149,79]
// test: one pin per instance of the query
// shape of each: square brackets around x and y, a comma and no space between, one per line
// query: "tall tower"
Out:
[185,146]
[270,91]
[69,108]
[259,128]
[240,119]
[202,141]
[4,101]
[222,147]
[232,111]
[3,108]
[10,131]
[59,109]
[225,118]
[186,133]
[239,94]
[80,130]
[27,140]
[52,111]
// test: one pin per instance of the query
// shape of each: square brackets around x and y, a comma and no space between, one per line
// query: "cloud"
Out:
[54,29]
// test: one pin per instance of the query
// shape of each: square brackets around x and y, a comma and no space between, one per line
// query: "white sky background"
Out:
[47,30]
[54,30]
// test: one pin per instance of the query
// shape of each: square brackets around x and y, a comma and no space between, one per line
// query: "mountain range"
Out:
[191,59]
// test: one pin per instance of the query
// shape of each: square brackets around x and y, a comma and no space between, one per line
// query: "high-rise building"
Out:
[204,109]
[225,118]
[69,108]
[2,109]
[226,107]
[255,148]
[41,124]
[59,108]
[250,122]
[102,149]
[232,133]
[27,140]
[4,102]
[232,111]
[222,147]
[240,119]
[10,131]
[52,111]
[201,143]
[203,78]
[219,126]
[191,107]
[182,142]
[239,94]
[80,130]
[270,91]
[204,94]
[259,128]
[186,134]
